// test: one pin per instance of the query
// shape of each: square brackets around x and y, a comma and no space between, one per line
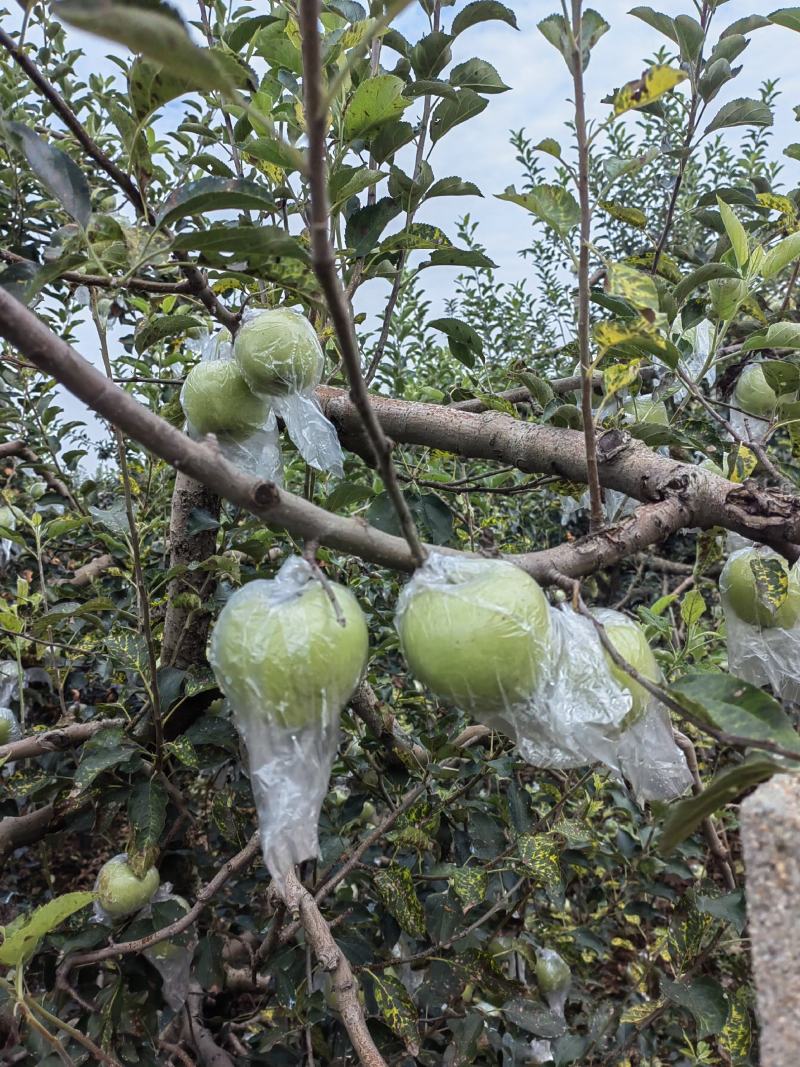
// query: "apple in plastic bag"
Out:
[216,399]
[753,393]
[278,353]
[168,949]
[290,661]
[120,892]
[9,727]
[552,972]
[726,296]
[738,580]
[482,641]
[629,640]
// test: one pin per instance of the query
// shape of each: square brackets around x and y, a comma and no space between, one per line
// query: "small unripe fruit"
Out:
[120,892]
[278,353]
[629,640]
[9,727]
[754,394]
[216,399]
[552,973]
[726,296]
[289,660]
[480,637]
[739,584]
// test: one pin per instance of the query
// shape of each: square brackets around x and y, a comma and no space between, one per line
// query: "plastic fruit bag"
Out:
[173,958]
[761,600]
[280,357]
[481,635]
[288,653]
[119,892]
[216,399]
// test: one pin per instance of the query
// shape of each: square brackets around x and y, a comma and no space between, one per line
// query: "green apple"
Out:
[645,409]
[754,394]
[289,660]
[739,584]
[120,892]
[278,352]
[9,727]
[8,520]
[478,638]
[629,640]
[726,296]
[552,973]
[216,399]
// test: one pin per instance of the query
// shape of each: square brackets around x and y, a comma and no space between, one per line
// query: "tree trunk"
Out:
[186,624]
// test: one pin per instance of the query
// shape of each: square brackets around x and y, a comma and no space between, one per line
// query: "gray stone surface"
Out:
[770,827]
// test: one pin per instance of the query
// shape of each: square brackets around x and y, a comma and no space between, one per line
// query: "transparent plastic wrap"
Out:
[216,399]
[288,653]
[761,600]
[279,355]
[481,635]
[173,958]
[9,727]
[8,521]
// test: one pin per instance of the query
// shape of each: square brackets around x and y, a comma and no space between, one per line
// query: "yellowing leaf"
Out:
[620,376]
[470,884]
[639,1014]
[397,1009]
[632,215]
[396,890]
[746,462]
[735,1037]
[642,91]
[778,203]
[634,285]
[21,938]
[539,854]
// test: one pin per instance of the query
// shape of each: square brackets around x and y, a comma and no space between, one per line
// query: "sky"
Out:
[539,102]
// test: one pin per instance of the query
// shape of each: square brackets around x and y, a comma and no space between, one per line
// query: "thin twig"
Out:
[596,512]
[720,854]
[324,262]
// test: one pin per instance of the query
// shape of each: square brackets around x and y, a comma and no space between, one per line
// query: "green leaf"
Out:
[458,257]
[348,494]
[431,514]
[786,16]
[633,285]
[479,75]
[553,204]
[105,750]
[273,150]
[707,273]
[703,997]
[740,112]
[729,908]
[253,244]
[634,338]
[151,28]
[21,939]
[365,226]
[214,194]
[693,607]
[715,75]
[147,815]
[396,891]
[376,101]
[652,85]
[397,1008]
[450,113]
[658,21]
[690,37]
[736,1036]
[345,182]
[151,85]
[540,390]
[465,343]
[778,335]
[735,707]
[430,87]
[389,139]
[745,25]
[685,816]
[632,215]
[540,856]
[417,235]
[431,54]
[62,177]
[482,11]
[735,231]
[470,885]
[452,187]
[781,255]
[151,331]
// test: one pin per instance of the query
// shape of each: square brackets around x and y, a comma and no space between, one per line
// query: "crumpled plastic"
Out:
[575,714]
[761,655]
[289,763]
[259,454]
[8,521]
[748,427]
[172,959]
[8,717]
[311,431]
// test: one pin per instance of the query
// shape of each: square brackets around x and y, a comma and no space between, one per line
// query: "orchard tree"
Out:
[562,515]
